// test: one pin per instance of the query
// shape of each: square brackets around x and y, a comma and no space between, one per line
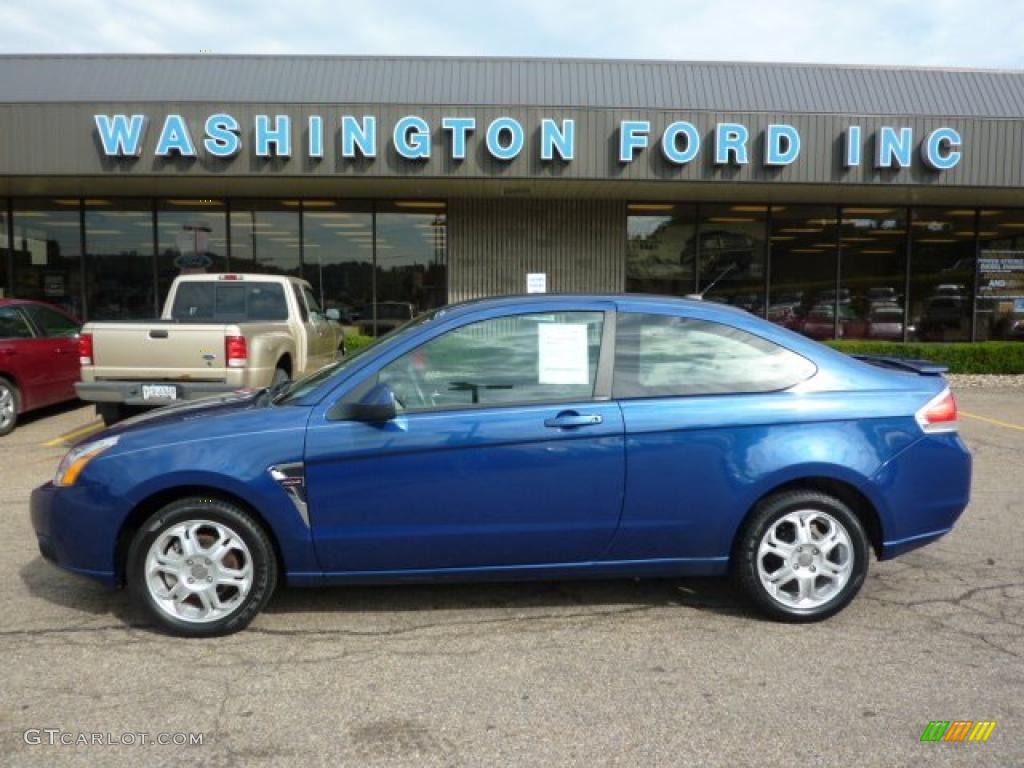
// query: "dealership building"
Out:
[862,202]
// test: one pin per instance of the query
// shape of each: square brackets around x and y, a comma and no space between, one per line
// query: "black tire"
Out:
[281,376]
[255,538]
[765,515]
[342,350]
[9,421]
[111,413]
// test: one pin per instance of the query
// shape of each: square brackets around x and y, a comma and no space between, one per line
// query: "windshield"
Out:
[302,387]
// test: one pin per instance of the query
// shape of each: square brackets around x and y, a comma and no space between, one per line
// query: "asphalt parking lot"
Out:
[586,673]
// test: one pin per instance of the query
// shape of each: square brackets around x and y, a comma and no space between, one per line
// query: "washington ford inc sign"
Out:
[504,139]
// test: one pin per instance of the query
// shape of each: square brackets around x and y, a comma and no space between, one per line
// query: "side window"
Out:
[13,324]
[52,323]
[663,355]
[311,302]
[303,312]
[532,358]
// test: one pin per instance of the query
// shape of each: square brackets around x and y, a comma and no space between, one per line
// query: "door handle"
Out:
[571,419]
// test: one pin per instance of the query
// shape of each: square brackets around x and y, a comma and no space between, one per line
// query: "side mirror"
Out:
[333,314]
[375,407]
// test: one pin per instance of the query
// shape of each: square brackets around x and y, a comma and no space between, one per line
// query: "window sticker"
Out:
[563,356]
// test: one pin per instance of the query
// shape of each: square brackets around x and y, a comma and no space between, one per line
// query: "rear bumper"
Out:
[130,392]
[68,535]
[926,487]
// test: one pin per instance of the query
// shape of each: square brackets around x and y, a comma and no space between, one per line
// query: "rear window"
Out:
[663,355]
[13,324]
[220,302]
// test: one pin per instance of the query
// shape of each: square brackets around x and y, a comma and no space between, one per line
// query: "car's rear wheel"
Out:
[8,407]
[281,377]
[802,556]
[111,413]
[202,567]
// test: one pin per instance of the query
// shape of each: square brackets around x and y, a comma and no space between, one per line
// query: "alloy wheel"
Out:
[7,407]
[805,558]
[198,571]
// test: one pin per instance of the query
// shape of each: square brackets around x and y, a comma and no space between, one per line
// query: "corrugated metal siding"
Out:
[494,243]
[726,86]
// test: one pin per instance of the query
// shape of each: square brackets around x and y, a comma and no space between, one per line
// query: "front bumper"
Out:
[130,392]
[65,522]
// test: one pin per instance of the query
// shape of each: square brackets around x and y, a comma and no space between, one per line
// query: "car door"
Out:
[325,344]
[314,329]
[506,451]
[58,337]
[25,357]
[702,406]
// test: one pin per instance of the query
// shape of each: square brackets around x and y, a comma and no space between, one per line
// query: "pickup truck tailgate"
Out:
[159,350]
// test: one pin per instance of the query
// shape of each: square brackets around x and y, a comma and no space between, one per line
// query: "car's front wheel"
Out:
[802,556]
[201,567]
[8,407]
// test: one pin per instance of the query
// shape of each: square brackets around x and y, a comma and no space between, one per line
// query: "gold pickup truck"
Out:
[218,333]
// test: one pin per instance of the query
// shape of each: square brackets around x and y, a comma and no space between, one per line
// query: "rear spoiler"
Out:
[922,367]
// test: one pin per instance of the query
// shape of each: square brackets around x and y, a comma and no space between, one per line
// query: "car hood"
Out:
[205,409]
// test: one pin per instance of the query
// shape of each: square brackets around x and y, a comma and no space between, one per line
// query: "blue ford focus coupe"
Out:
[521,438]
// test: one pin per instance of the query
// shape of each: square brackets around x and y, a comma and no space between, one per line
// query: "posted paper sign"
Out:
[563,354]
[537,282]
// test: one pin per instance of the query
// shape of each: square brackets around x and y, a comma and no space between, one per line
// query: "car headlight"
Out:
[77,458]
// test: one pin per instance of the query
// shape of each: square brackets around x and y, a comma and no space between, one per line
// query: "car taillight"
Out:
[235,351]
[85,349]
[939,414]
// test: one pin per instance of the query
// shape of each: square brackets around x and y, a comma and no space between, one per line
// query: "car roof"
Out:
[632,299]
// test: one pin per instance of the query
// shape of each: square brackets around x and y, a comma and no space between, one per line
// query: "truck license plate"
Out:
[159,392]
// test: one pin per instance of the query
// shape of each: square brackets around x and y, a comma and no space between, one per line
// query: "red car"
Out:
[38,358]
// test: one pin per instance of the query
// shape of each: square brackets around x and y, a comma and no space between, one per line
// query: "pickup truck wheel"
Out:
[201,567]
[342,350]
[280,377]
[802,556]
[9,400]
[111,413]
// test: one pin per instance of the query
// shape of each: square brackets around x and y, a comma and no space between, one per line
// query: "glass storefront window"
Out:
[46,261]
[338,256]
[802,291]
[731,266]
[119,269]
[5,251]
[265,237]
[660,248]
[873,273]
[191,238]
[1000,285]
[942,263]
[411,249]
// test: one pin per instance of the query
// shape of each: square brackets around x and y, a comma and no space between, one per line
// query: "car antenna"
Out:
[700,295]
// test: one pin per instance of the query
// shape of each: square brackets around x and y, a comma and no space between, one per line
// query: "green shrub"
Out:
[358,341]
[980,357]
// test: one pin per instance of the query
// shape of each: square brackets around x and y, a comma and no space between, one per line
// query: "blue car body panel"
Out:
[462,491]
[659,486]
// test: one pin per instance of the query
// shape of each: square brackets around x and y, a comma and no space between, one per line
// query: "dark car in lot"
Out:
[38,358]
[384,317]
[535,437]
